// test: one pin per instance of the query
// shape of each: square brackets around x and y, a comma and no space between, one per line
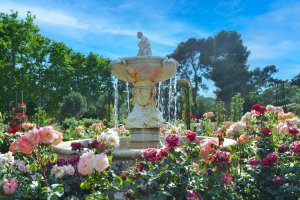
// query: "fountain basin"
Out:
[144,68]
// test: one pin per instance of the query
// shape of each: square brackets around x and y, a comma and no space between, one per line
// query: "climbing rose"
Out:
[10,187]
[191,136]
[193,196]
[254,162]
[150,154]
[295,147]
[172,140]
[270,160]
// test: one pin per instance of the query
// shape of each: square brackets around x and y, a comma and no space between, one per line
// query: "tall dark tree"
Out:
[262,78]
[229,69]
[296,80]
[191,56]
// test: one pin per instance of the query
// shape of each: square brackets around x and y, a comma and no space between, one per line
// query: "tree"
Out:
[262,78]
[16,40]
[228,64]
[190,55]
[74,105]
[296,80]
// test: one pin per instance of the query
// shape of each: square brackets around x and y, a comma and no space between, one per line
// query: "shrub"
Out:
[294,107]
[70,123]
[73,105]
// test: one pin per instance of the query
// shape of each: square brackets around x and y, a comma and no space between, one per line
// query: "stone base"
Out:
[142,138]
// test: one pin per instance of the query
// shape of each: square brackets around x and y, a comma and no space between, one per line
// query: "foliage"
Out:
[294,108]
[236,107]
[73,105]
[40,117]
[220,112]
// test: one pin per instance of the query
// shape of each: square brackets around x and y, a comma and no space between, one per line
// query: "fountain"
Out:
[144,71]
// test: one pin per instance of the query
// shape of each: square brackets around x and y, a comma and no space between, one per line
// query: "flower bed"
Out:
[265,164]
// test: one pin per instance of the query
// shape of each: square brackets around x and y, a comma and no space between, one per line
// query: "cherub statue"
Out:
[144,45]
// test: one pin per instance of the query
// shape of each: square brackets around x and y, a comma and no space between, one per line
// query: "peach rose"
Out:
[59,138]
[33,136]
[47,135]
[25,146]
[14,147]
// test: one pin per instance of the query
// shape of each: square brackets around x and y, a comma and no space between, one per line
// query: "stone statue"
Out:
[144,45]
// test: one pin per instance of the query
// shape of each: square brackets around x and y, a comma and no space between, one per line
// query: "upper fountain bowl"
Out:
[144,68]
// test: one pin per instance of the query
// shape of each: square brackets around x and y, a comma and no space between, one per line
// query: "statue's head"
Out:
[139,34]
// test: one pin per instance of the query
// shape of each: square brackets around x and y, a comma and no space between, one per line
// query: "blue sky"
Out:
[270,29]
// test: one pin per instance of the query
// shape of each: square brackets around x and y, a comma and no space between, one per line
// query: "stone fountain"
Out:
[144,71]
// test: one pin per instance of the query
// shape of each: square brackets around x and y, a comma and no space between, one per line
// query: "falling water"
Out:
[128,96]
[175,98]
[170,99]
[116,101]
[158,96]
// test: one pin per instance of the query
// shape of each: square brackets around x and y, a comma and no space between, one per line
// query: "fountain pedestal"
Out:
[144,72]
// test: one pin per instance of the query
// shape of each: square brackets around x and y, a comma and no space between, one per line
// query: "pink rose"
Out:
[150,154]
[10,187]
[172,140]
[33,136]
[47,134]
[243,138]
[191,136]
[85,166]
[100,162]
[58,139]
[227,178]
[295,147]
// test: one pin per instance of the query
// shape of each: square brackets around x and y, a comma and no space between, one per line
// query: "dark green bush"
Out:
[73,105]
[294,107]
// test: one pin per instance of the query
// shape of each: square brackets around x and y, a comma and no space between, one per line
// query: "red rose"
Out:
[295,147]
[294,131]
[259,110]
[278,180]
[73,160]
[254,162]
[282,148]
[270,160]
[163,152]
[150,154]
[191,136]
[220,157]
[172,140]
[266,132]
